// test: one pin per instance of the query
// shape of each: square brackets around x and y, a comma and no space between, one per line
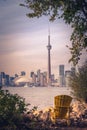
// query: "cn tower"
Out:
[49,60]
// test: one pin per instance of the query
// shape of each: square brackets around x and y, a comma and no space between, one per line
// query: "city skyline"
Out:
[23,41]
[38,78]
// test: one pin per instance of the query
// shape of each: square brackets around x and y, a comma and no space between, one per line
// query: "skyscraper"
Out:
[49,60]
[61,76]
[61,70]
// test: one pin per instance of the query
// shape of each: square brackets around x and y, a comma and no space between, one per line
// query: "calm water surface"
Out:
[39,96]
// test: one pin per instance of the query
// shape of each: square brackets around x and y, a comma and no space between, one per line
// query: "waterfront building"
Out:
[31,74]
[41,79]
[3,81]
[11,81]
[16,75]
[67,77]
[61,76]
[34,79]
[7,80]
[52,78]
[0,80]
[61,70]
[45,78]
[38,77]
[61,81]
[23,73]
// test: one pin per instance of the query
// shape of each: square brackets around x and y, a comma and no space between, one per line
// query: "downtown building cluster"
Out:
[39,78]
[6,79]
[64,76]
[36,79]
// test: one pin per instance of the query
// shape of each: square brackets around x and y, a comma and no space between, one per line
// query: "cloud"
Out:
[11,16]
[23,41]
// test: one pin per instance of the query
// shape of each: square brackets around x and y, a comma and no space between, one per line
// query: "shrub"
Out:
[78,83]
[11,109]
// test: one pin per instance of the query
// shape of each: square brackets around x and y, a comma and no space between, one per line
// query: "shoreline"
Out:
[78,120]
[41,120]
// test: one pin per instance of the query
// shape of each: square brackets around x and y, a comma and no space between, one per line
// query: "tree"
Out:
[73,12]
[78,83]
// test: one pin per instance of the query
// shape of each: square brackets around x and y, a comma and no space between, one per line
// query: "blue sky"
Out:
[23,41]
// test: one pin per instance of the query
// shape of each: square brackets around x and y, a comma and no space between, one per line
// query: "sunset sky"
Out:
[23,41]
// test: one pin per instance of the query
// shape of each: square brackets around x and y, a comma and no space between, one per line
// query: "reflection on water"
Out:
[39,96]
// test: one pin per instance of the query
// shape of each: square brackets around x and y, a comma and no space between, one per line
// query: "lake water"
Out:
[39,96]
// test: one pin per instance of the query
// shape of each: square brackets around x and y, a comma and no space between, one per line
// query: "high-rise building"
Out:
[34,79]
[41,79]
[3,74]
[61,70]
[0,80]
[67,77]
[23,73]
[38,76]
[45,78]
[31,74]
[61,76]
[7,80]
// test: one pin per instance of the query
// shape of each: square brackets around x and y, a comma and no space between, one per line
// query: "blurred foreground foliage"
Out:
[12,109]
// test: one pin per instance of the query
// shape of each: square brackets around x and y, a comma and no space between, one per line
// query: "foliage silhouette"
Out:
[78,83]
[73,12]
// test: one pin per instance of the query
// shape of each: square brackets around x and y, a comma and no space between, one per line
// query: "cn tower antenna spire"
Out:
[49,35]
[49,57]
